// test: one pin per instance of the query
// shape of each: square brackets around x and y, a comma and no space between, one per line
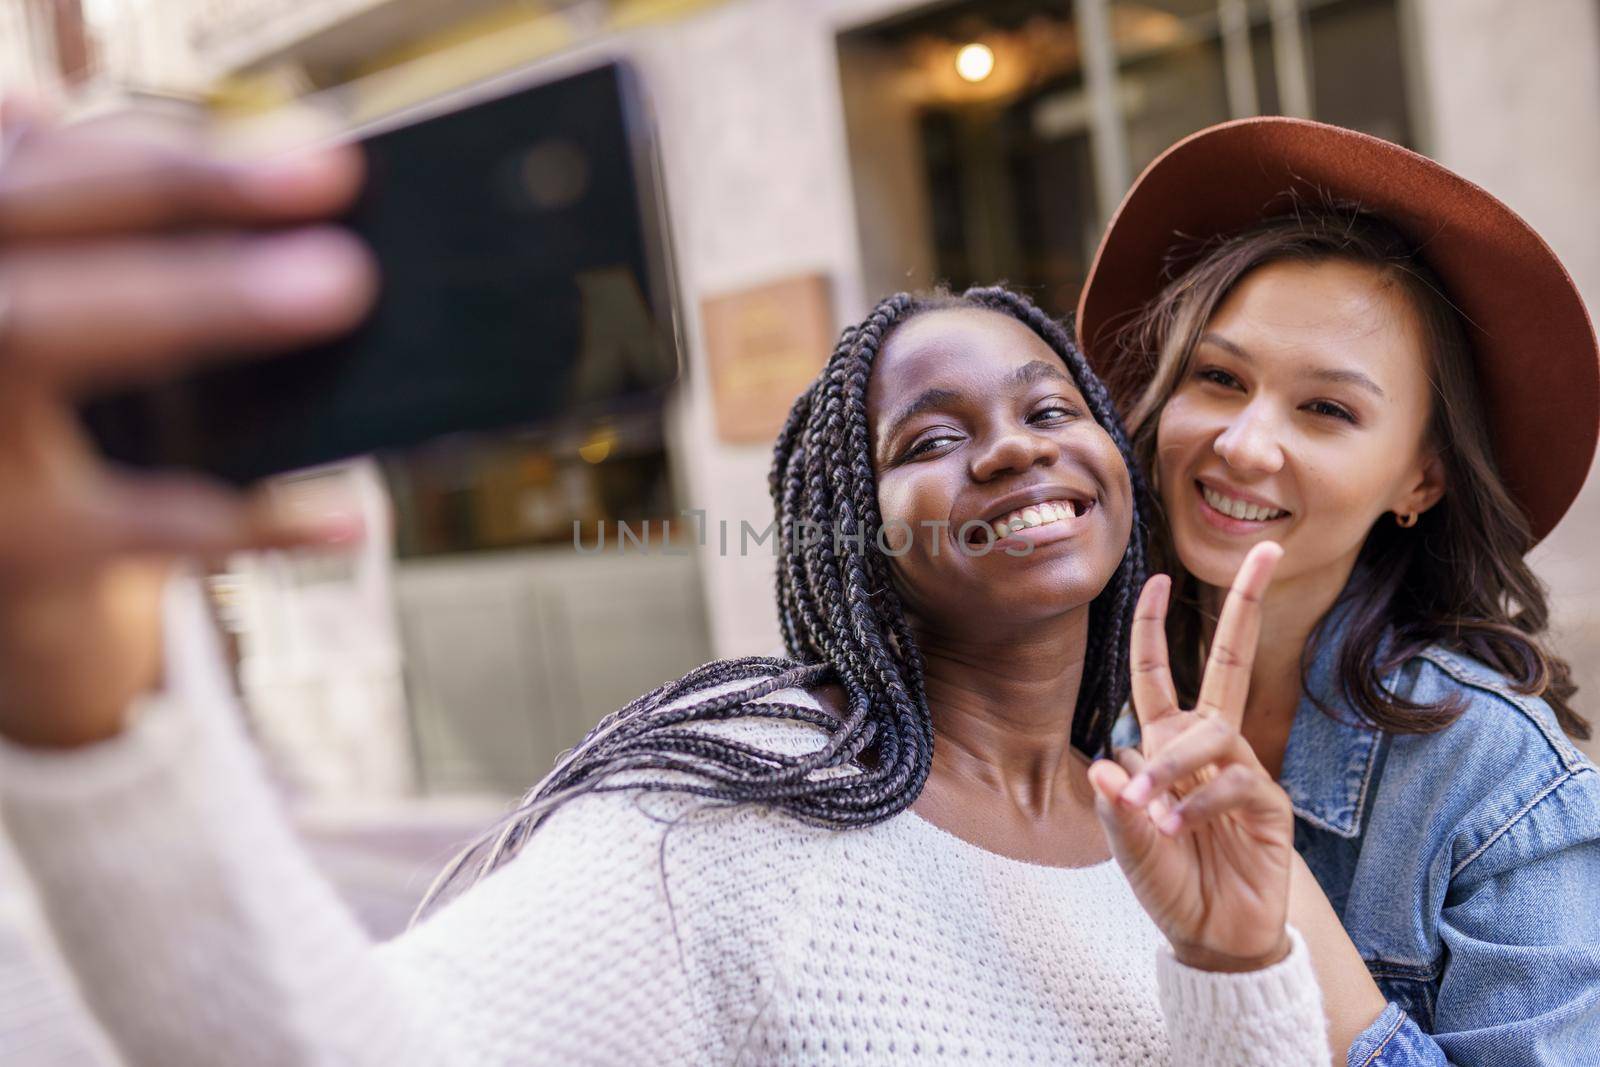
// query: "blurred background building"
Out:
[816,155]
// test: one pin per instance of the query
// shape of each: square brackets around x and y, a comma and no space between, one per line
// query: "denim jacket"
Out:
[1465,866]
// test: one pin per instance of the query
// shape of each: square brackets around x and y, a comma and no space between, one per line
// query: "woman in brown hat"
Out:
[1324,340]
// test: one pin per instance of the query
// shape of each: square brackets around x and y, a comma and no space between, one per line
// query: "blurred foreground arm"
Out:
[125,256]
[43,1023]
[201,933]
[198,929]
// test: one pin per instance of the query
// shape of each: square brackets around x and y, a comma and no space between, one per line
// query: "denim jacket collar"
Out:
[1329,763]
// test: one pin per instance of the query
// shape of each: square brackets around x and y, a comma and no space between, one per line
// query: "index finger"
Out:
[1233,644]
[1154,696]
[118,177]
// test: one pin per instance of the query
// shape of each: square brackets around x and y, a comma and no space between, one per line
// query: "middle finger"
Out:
[119,311]
[1233,644]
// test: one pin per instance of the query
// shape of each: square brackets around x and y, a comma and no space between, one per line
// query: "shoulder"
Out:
[665,915]
[629,865]
[648,924]
[1492,707]
[1503,776]
[685,832]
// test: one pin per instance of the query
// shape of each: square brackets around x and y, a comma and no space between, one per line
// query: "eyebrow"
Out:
[1038,370]
[1033,371]
[1324,374]
[926,401]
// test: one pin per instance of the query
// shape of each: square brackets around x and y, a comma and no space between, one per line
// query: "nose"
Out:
[1013,450]
[1250,442]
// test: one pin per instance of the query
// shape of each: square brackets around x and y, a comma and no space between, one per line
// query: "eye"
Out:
[1054,410]
[1217,376]
[1331,410]
[927,443]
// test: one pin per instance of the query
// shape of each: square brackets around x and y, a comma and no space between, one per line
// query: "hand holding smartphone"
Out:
[525,273]
[126,253]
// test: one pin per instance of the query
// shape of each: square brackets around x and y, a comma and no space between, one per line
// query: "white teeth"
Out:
[1034,515]
[1239,509]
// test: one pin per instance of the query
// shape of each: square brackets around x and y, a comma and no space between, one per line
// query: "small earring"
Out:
[1408,520]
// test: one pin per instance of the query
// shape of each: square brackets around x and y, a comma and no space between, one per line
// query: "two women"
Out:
[1358,355]
[890,847]
[640,910]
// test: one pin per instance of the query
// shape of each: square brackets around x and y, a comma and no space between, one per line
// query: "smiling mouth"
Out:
[1046,513]
[1239,510]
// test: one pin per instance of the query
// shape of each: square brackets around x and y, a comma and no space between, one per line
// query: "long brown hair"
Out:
[1458,578]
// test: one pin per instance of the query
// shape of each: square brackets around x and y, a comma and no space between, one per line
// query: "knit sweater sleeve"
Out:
[199,931]
[1262,1018]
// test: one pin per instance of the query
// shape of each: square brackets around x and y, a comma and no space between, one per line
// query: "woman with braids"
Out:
[1389,374]
[890,846]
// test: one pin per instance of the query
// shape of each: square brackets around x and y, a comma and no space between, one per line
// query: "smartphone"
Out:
[521,237]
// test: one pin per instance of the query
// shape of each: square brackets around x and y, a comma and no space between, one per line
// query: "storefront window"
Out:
[1006,169]
[1171,74]
[1357,68]
[555,486]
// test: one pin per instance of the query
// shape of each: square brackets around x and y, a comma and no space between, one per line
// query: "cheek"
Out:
[904,500]
[912,505]
[1119,485]
[1344,483]
[918,570]
[1181,430]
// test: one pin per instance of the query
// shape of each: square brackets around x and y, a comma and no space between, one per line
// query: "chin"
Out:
[1209,564]
[1047,592]
[1072,583]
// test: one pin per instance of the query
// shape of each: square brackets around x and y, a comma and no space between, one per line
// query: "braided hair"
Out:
[842,622]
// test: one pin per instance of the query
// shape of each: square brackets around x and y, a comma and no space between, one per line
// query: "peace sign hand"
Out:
[1203,833]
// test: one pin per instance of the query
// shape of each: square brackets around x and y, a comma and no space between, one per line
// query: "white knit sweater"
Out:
[628,931]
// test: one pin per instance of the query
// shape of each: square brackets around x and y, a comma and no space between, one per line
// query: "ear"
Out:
[1427,486]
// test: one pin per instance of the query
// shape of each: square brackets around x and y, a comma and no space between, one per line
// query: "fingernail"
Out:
[342,529]
[1169,823]
[329,530]
[1137,791]
[313,274]
[319,513]
[285,176]
[288,177]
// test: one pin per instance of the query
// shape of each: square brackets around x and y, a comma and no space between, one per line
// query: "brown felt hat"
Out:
[1537,361]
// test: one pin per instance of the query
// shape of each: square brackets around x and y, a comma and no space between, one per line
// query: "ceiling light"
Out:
[975,62]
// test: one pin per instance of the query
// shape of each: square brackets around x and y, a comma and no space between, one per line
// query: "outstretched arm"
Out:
[200,932]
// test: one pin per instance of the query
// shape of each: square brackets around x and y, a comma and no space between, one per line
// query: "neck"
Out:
[1002,705]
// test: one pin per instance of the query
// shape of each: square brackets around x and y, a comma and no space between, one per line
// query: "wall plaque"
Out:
[765,345]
